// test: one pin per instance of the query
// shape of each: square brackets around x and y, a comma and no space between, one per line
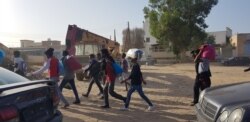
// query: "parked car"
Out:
[236,61]
[227,103]
[22,100]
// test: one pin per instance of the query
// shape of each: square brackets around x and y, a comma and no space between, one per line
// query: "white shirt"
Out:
[19,61]
[45,67]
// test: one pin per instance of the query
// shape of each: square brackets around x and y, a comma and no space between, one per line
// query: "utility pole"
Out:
[114,36]
[128,42]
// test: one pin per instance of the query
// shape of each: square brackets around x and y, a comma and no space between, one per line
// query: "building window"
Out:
[79,49]
[158,48]
[147,39]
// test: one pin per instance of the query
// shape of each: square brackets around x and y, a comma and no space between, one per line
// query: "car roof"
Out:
[9,77]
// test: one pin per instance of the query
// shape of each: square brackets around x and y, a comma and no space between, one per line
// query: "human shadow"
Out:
[161,85]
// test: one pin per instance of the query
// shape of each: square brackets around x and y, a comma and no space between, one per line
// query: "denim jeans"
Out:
[56,79]
[138,88]
[73,86]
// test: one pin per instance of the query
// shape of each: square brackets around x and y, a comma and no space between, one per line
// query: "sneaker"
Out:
[105,106]
[151,108]
[66,106]
[193,103]
[124,109]
[85,95]
[102,97]
[100,94]
[77,102]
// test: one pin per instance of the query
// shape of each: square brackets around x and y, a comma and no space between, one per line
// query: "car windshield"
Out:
[8,77]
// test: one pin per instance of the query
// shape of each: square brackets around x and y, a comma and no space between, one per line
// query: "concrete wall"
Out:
[27,43]
[51,43]
[220,36]
[149,39]
[162,55]
[226,52]
[239,42]
[35,59]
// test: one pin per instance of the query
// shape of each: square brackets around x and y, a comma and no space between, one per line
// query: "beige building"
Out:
[221,37]
[241,44]
[35,50]
[29,43]
[153,49]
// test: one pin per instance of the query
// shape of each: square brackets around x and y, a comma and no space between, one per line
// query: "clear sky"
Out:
[41,19]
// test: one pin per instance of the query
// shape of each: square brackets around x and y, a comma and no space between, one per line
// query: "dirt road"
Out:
[169,87]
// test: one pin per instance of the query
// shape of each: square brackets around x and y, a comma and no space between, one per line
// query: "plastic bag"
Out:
[208,52]
[134,53]
[73,64]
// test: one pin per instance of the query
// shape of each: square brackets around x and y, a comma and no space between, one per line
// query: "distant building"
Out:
[152,48]
[241,44]
[221,37]
[222,43]
[35,50]
[29,43]
[160,52]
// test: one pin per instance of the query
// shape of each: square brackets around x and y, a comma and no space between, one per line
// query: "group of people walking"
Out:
[101,71]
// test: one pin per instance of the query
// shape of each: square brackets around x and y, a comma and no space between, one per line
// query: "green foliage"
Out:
[210,40]
[179,24]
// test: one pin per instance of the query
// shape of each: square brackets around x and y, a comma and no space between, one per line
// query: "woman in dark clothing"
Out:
[109,79]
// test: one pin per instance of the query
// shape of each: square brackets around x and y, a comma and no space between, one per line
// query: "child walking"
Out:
[136,84]
[109,79]
[94,70]
[124,65]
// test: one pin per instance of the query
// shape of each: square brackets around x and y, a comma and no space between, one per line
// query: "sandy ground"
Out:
[170,88]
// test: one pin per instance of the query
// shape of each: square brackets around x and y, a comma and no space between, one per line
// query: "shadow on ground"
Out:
[171,99]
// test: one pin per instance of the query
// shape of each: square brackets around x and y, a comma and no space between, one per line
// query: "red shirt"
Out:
[53,69]
[110,74]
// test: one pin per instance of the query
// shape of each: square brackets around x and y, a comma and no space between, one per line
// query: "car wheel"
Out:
[79,76]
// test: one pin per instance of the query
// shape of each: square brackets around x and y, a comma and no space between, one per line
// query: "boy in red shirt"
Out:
[110,79]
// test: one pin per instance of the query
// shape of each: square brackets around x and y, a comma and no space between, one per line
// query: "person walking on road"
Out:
[19,64]
[52,65]
[69,77]
[109,79]
[136,84]
[124,65]
[94,71]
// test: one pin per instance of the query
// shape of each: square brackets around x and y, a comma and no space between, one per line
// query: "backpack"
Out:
[117,68]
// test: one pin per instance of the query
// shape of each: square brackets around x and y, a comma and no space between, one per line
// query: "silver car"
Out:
[227,103]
